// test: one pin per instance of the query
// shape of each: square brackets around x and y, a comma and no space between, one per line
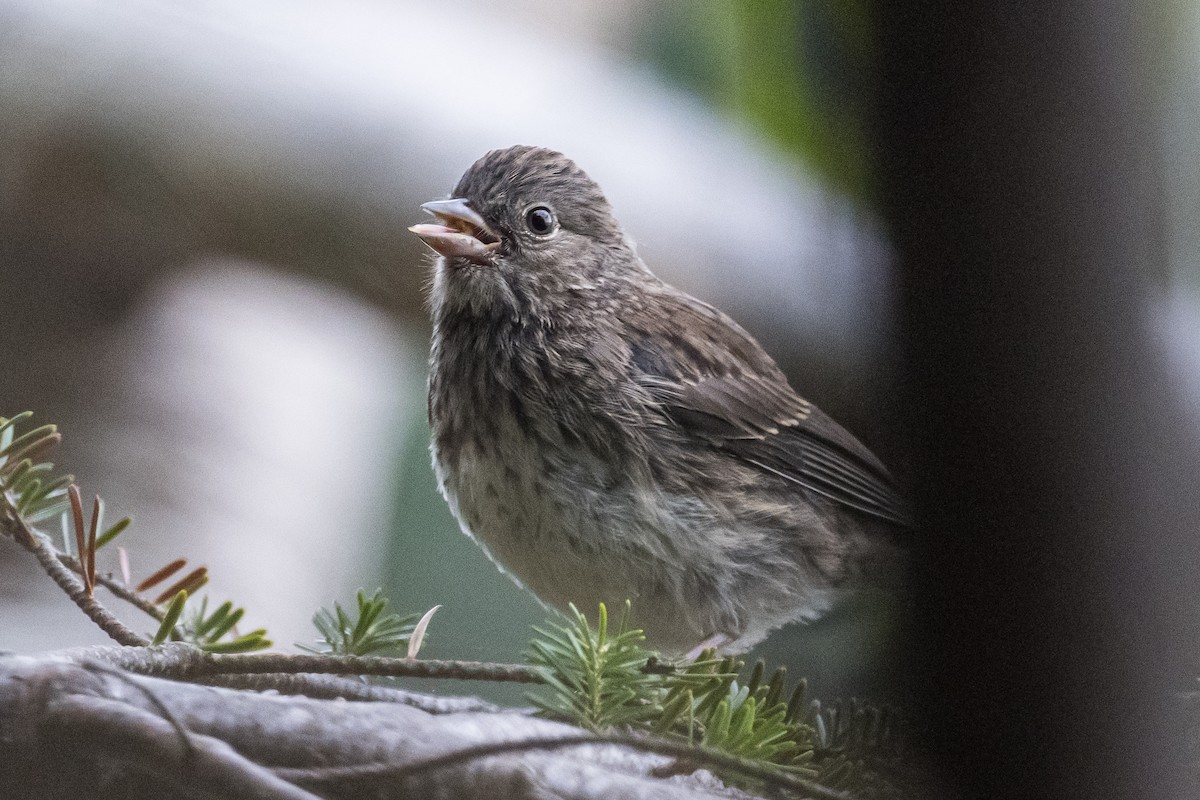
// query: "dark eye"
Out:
[540,220]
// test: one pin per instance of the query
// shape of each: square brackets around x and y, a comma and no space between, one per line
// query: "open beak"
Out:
[461,232]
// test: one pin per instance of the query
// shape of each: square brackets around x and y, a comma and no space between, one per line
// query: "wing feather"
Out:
[730,393]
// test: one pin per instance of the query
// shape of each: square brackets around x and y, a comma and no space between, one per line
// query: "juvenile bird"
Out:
[604,436]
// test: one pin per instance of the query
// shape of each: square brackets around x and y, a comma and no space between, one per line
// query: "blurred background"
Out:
[206,281]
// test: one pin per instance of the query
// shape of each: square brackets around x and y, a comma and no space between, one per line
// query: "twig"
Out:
[183,661]
[331,687]
[49,559]
[13,525]
[372,665]
[118,590]
[382,771]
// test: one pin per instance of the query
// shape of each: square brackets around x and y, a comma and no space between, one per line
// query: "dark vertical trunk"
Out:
[1056,475]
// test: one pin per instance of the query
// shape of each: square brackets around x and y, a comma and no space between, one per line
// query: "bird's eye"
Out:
[540,220]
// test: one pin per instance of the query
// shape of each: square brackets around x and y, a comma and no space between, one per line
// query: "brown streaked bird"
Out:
[605,436]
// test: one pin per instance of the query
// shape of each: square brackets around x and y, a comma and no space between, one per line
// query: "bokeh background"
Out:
[206,280]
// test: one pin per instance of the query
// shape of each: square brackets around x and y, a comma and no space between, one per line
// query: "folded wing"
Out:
[719,385]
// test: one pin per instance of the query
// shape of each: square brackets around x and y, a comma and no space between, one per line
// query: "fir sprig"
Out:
[603,680]
[595,677]
[367,630]
[745,723]
[207,629]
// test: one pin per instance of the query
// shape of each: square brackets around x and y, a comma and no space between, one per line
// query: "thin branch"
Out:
[332,687]
[118,590]
[13,525]
[381,772]
[48,557]
[372,665]
[178,661]
[186,662]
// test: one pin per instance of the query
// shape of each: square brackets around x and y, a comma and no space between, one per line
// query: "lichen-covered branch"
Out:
[64,725]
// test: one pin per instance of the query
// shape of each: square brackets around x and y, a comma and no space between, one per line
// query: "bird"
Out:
[607,437]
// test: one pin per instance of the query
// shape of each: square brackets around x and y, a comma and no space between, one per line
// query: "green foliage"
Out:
[367,631]
[28,482]
[603,680]
[802,74]
[170,617]
[594,678]
[205,630]
[751,720]
[246,643]
[113,531]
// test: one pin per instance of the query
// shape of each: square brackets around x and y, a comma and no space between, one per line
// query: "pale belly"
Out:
[571,536]
[565,539]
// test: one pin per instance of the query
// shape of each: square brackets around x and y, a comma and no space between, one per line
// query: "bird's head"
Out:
[523,225]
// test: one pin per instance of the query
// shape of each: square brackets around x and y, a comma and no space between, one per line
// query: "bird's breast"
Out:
[553,516]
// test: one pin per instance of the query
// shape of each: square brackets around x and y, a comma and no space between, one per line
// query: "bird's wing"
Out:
[716,383]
